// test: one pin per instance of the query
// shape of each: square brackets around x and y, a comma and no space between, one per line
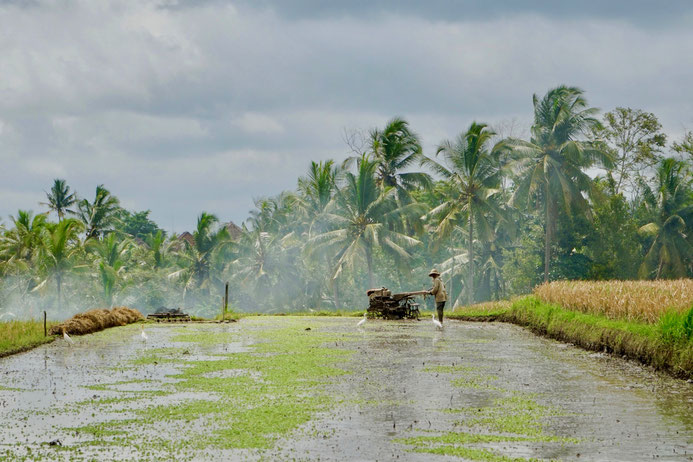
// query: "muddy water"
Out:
[406,380]
[613,409]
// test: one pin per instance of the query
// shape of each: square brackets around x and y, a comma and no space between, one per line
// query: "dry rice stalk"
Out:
[96,320]
[630,300]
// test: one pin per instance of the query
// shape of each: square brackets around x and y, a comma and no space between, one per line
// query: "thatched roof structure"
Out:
[189,238]
[234,230]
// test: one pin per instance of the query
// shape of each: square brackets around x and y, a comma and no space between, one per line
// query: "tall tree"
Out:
[474,178]
[266,266]
[685,147]
[111,254]
[612,258]
[58,254]
[60,199]
[99,216]
[136,224]
[670,206]
[315,191]
[156,246]
[635,140]
[551,165]
[197,258]
[22,242]
[364,217]
[395,149]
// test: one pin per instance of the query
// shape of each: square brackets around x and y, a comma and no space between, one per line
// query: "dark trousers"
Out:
[439,309]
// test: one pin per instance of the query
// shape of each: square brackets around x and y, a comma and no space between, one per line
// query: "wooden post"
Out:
[45,331]
[226,300]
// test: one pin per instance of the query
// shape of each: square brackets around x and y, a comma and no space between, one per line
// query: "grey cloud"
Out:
[180,108]
[642,12]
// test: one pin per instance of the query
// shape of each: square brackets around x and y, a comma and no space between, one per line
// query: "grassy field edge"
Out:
[26,347]
[634,340]
[20,336]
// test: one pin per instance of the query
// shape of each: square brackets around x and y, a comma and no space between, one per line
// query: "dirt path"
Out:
[474,391]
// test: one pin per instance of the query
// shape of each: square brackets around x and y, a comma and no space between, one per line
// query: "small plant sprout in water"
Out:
[363,321]
[436,323]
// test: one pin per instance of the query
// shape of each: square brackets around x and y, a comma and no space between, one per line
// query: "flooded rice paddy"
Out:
[301,388]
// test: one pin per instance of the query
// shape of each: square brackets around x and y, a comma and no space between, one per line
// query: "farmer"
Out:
[438,290]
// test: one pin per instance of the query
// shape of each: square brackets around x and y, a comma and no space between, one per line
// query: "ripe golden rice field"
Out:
[630,300]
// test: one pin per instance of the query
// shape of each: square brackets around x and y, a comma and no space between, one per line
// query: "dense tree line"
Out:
[584,197]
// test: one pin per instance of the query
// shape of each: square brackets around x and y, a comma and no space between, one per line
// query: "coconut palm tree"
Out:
[670,207]
[20,243]
[315,191]
[58,252]
[111,255]
[156,243]
[362,218]
[550,167]
[266,265]
[196,259]
[394,149]
[100,215]
[60,199]
[472,180]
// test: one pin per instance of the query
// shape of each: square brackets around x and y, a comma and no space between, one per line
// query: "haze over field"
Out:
[183,106]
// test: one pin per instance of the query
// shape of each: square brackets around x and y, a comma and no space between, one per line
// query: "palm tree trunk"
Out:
[59,283]
[547,240]
[470,293]
[369,262]
[335,293]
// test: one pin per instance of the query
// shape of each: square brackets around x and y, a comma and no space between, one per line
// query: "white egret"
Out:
[143,334]
[436,323]
[363,321]
[67,338]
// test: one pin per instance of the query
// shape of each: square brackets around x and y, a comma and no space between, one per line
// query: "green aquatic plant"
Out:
[246,399]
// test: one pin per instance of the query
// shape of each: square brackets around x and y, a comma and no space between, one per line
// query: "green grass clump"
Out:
[489,311]
[471,454]
[676,327]
[454,438]
[450,369]
[205,337]
[17,336]
[228,316]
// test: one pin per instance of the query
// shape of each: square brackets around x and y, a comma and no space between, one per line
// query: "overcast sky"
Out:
[185,106]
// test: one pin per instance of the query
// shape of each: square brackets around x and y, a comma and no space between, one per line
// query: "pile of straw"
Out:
[96,320]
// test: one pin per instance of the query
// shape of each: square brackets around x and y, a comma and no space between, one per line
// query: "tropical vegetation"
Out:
[584,197]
